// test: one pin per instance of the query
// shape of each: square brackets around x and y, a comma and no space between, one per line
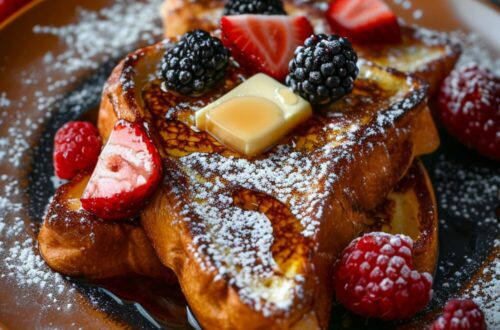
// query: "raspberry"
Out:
[76,147]
[460,315]
[375,278]
[470,108]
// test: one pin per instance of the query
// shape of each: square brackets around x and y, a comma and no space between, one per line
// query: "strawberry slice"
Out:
[364,21]
[127,173]
[265,43]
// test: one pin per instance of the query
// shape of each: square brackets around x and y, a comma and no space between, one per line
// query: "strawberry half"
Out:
[265,43]
[127,173]
[364,21]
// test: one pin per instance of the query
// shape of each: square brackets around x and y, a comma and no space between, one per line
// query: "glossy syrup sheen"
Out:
[463,237]
[245,124]
[254,116]
[124,309]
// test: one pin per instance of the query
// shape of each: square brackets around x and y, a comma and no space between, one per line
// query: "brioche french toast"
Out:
[253,240]
[427,54]
[77,243]
[314,187]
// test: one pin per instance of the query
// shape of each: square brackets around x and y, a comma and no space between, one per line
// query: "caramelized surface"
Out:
[74,242]
[173,114]
[410,209]
[289,246]
[228,222]
[252,241]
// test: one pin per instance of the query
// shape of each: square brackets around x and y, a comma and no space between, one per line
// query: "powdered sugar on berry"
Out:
[471,193]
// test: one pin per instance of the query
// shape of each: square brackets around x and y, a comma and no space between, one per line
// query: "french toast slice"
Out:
[428,54]
[409,209]
[76,243]
[253,241]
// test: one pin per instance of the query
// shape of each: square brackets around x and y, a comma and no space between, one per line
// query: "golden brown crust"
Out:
[429,55]
[410,209]
[381,159]
[379,162]
[76,243]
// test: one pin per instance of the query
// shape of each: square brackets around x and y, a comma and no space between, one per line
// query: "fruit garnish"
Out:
[374,277]
[460,315]
[76,147]
[127,173]
[264,7]
[324,69]
[198,62]
[364,21]
[469,103]
[264,43]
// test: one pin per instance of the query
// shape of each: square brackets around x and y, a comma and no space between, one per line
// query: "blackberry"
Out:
[264,7]
[195,64]
[324,69]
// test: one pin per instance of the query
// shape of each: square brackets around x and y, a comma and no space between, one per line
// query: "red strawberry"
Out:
[364,21]
[126,175]
[265,43]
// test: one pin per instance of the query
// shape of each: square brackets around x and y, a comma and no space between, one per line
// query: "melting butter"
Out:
[254,116]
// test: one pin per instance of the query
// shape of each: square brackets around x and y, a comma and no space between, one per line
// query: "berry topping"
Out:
[375,278]
[324,69]
[264,7]
[195,64]
[76,147]
[126,175]
[470,108]
[364,21]
[460,315]
[265,43]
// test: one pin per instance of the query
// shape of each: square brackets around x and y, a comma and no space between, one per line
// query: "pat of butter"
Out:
[254,116]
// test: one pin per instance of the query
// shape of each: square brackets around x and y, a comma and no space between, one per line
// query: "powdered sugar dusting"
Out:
[470,194]
[237,240]
[301,180]
[486,291]
[94,38]
[474,48]
[108,34]
[416,12]
[4,101]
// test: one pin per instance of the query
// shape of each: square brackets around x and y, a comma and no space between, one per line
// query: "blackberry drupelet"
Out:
[264,7]
[195,64]
[324,69]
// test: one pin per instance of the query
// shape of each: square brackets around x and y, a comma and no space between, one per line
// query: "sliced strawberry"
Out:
[126,175]
[364,21]
[265,43]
